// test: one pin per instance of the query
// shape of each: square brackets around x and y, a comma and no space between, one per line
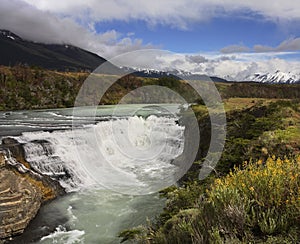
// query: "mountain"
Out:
[15,50]
[179,74]
[275,78]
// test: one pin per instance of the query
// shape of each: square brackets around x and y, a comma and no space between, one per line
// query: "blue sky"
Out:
[212,35]
[231,38]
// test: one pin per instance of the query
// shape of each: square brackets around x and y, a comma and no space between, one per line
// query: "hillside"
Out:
[15,50]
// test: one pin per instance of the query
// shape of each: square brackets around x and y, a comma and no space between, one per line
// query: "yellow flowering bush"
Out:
[258,202]
[269,193]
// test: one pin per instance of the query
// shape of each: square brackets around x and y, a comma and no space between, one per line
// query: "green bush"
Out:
[258,202]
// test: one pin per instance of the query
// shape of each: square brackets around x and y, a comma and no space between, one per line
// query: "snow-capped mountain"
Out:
[272,78]
[180,74]
[277,77]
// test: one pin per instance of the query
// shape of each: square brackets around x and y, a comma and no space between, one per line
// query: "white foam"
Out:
[130,153]
[61,235]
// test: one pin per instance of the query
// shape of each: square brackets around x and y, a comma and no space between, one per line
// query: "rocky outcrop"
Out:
[22,191]
[15,149]
[19,202]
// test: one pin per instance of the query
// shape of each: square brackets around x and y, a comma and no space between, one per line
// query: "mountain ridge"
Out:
[16,50]
[277,77]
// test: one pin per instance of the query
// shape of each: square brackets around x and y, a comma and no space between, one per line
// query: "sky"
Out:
[227,38]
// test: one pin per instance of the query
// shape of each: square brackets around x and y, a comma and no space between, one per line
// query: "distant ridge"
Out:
[15,50]
[179,74]
[275,78]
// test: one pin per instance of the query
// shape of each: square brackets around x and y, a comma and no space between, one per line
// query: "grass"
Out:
[289,135]
[240,103]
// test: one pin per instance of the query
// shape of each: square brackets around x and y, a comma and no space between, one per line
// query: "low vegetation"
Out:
[256,203]
[23,87]
[253,197]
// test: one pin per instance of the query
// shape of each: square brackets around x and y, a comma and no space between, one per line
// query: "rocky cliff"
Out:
[22,191]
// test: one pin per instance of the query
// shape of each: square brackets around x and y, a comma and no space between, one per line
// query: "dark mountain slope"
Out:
[15,50]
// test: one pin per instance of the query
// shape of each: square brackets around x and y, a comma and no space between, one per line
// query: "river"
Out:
[112,164]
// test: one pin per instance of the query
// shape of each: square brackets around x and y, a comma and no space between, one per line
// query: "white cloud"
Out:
[179,13]
[198,59]
[33,24]
[236,67]
[73,21]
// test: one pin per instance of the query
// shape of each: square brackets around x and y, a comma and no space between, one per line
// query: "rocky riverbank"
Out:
[22,191]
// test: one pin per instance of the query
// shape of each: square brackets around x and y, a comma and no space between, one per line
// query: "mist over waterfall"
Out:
[121,154]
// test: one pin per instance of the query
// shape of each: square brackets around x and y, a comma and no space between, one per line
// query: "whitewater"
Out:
[110,166]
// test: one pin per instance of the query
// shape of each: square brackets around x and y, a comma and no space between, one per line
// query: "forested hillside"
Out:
[23,87]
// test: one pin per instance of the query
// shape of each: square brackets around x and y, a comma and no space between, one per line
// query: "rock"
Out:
[15,148]
[2,161]
[20,201]
[22,191]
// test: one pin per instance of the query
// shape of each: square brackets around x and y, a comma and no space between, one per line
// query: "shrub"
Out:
[257,202]
[266,193]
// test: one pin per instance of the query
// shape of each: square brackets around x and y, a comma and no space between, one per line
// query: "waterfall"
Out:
[131,155]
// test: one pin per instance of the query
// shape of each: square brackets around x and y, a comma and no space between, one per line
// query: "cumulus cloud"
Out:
[73,22]
[33,24]
[198,59]
[231,67]
[237,70]
[178,14]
